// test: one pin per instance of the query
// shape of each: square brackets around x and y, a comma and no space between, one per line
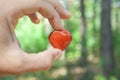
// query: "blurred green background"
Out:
[94,53]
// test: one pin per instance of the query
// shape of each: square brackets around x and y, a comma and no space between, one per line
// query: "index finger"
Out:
[64,14]
[49,12]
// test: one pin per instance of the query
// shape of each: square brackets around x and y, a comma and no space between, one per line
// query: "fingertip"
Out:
[37,21]
[59,51]
[55,53]
[58,54]
[34,18]
[56,23]
[68,14]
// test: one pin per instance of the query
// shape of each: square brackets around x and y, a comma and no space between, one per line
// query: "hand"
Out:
[12,59]
[51,9]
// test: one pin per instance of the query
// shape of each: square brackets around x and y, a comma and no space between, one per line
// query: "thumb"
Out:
[49,56]
[42,60]
[54,54]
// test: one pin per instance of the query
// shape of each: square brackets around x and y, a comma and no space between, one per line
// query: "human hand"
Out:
[12,59]
[50,9]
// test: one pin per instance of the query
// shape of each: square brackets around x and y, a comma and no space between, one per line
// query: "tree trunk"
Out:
[116,20]
[94,15]
[83,34]
[106,44]
[94,31]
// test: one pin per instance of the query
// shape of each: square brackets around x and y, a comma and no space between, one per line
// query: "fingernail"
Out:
[58,54]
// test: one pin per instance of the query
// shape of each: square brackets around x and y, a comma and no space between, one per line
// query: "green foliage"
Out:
[34,38]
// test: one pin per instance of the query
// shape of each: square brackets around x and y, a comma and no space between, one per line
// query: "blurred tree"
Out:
[83,61]
[94,15]
[106,43]
[116,15]
[94,31]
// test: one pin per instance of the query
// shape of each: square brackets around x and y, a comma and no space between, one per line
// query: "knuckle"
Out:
[58,6]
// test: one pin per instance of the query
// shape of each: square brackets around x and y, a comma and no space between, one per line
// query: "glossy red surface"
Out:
[60,39]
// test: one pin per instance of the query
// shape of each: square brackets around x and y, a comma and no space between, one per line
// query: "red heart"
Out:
[60,39]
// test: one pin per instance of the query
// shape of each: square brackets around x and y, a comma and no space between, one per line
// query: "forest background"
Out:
[94,53]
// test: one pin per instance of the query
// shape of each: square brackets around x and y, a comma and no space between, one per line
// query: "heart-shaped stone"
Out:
[60,39]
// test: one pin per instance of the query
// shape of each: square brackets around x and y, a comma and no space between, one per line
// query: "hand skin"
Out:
[13,60]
